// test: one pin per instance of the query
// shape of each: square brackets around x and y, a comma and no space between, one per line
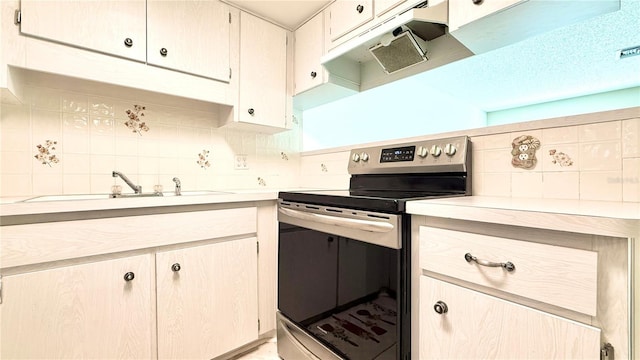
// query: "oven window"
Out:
[341,291]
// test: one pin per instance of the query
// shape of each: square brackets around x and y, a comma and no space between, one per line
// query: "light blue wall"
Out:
[401,109]
[610,100]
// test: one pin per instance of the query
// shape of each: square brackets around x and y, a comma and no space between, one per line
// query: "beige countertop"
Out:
[589,217]
[44,211]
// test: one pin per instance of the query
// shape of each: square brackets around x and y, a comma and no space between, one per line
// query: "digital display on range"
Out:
[405,153]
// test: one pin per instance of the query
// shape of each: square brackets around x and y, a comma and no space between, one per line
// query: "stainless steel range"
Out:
[344,256]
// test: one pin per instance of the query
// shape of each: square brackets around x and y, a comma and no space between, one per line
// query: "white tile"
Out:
[494,184]
[101,107]
[17,162]
[498,160]
[102,165]
[43,98]
[102,125]
[127,165]
[51,184]
[631,179]
[601,185]
[102,145]
[16,185]
[527,185]
[631,138]
[77,184]
[74,102]
[76,164]
[600,156]
[599,131]
[12,140]
[15,117]
[491,141]
[561,135]
[561,185]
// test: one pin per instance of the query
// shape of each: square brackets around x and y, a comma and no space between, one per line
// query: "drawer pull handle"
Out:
[506,265]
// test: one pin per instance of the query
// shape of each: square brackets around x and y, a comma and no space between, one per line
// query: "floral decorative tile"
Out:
[560,158]
[45,153]
[524,151]
[134,122]
[203,159]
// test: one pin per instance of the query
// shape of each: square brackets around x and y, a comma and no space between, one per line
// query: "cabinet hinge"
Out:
[17,17]
[258,246]
[607,352]
[229,18]
[258,324]
[0,289]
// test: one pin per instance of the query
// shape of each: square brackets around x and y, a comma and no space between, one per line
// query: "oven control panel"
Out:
[433,155]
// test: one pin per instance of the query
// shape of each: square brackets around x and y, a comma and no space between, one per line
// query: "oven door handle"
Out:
[303,349]
[366,225]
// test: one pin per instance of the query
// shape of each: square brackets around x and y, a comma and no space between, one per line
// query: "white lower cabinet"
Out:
[488,291]
[207,299]
[95,310]
[459,323]
[139,287]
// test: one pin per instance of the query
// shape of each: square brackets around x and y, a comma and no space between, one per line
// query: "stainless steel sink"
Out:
[71,197]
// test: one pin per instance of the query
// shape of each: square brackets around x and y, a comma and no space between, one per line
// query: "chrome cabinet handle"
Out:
[129,276]
[440,307]
[478,2]
[359,9]
[176,267]
[509,266]
[164,51]
[128,42]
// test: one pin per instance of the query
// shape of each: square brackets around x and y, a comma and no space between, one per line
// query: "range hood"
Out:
[416,36]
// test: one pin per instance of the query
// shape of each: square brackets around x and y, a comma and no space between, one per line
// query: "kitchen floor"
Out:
[266,351]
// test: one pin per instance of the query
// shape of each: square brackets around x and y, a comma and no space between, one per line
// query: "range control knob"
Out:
[423,151]
[355,157]
[450,149]
[364,156]
[436,150]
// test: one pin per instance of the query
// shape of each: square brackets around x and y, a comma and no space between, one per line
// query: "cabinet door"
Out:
[114,27]
[383,6]
[189,36]
[479,326]
[346,15]
[207,299]
[464,12]
[263,72]
[79,312]
[308,51]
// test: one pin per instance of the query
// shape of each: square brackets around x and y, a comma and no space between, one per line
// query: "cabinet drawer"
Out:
[556,275]
[479,326]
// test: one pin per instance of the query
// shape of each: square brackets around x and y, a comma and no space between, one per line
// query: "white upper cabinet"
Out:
[263,73]
[112,27]
[309,46]
[464,12]
[347,15]
[189,36]
[383,6]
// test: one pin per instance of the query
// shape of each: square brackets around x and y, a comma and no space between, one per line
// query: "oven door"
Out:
[339,279]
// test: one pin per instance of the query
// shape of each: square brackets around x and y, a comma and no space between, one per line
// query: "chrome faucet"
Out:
[178,186]
[136,188]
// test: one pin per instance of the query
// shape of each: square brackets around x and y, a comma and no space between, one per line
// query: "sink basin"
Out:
[71,197]
[196,192]
[68,197]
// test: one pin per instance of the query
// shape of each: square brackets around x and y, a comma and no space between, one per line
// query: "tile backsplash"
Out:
[60,142]
[594,161]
